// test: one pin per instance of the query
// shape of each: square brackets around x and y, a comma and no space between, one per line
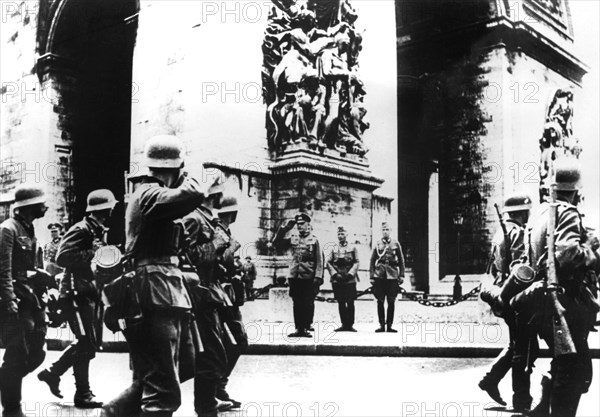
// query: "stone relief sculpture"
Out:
[557,140]
[310,76]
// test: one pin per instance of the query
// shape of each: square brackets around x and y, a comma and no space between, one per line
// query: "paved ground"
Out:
[321,386]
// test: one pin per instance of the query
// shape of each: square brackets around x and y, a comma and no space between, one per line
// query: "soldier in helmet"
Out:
[163,197]
[575,257]
[387,274]
[22,310]
[509,246]
[306,271]
[342,264]
[80,298]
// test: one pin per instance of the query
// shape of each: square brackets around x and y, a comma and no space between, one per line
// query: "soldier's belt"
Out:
[161,260]
[390,263]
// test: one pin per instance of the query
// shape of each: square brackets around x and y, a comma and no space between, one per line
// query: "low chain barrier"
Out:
[411,297]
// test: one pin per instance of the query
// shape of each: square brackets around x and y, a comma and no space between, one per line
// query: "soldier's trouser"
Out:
[571,376]
[232,317]
[212,364]
[303,297]
[386,290]
[345,294]
[77,356]
[249,285]
[526,352]
[154,346]
[24,337]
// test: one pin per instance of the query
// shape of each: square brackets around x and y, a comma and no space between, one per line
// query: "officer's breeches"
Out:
[303,297]
[154,347]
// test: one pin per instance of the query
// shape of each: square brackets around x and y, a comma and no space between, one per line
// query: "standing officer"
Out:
[164,196]
[387,274]
[248,277]
[306,271]
[342,264]
[80,298]
[22,311]
[51,248]
[523,346]
[204,249]
[575,258]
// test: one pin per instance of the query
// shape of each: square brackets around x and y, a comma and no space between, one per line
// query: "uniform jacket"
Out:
[152,239]
[343,260]
[50,250]
[202,250]
[18,248]
[387,260]
[307,257]
[76,252]
[501,249]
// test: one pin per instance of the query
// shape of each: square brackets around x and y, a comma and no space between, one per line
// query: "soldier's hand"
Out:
[290,224]
[97,244]
[219,242]
[336,277]
[400,280]
[372,281]
[12,308]
[593,241]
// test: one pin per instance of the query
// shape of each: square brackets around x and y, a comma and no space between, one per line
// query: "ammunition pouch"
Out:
[123,308]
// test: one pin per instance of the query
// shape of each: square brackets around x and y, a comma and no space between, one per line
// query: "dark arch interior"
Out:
[98,37]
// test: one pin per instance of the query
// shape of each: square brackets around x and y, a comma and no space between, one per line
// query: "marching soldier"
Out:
[80,298]
[248,277]
[342,264]
[51,248]
[205,248]
[509,246]
[22,311]
[306,271]
[236,342]
[387,274]
[575,258]
[164,196]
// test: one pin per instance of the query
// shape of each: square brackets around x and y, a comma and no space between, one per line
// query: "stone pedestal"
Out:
[280,305]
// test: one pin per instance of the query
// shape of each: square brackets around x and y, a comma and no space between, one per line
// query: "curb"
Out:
[448,351]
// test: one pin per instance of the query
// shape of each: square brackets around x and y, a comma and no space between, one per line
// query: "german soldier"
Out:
[236,342]
[204,249]
[342,264]
[164,196]
[575,258]
[51,248]
[509,246]
[387,274]
[22,310]
[248,276]
[306,271]
[80,298]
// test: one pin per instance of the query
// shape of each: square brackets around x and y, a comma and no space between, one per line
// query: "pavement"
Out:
[439,335]
[319,386]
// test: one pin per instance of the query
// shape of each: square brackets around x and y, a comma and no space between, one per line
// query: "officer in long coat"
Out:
[523,346]
[152,246]
[576,258]
[306,271]
[342,264]
[22,310]
[80,298]
[51,249]
[387,274]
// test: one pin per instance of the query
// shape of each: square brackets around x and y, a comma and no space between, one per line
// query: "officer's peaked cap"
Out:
[28,195]
[517,202]
[302,218]
[228,205]
[341,229]
[55,225]
[567,175]
[164,151]
[100,200]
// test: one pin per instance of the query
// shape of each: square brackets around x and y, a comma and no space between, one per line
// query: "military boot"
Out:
[542,409]
[10,393]
[492,389]
[52,380]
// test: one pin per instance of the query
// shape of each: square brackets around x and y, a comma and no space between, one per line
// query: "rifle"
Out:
[508,255]
[78,323]
[563,342]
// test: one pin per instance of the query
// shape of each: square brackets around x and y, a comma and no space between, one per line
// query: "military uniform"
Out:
[575,260]
[248,277]
[387,271]
[342,264]
[211,364]
[523,348]
[50,250]
[305,275]
[75,254]
[23,330]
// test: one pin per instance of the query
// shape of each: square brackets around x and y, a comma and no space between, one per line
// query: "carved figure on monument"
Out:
[557,139]
[310,79]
